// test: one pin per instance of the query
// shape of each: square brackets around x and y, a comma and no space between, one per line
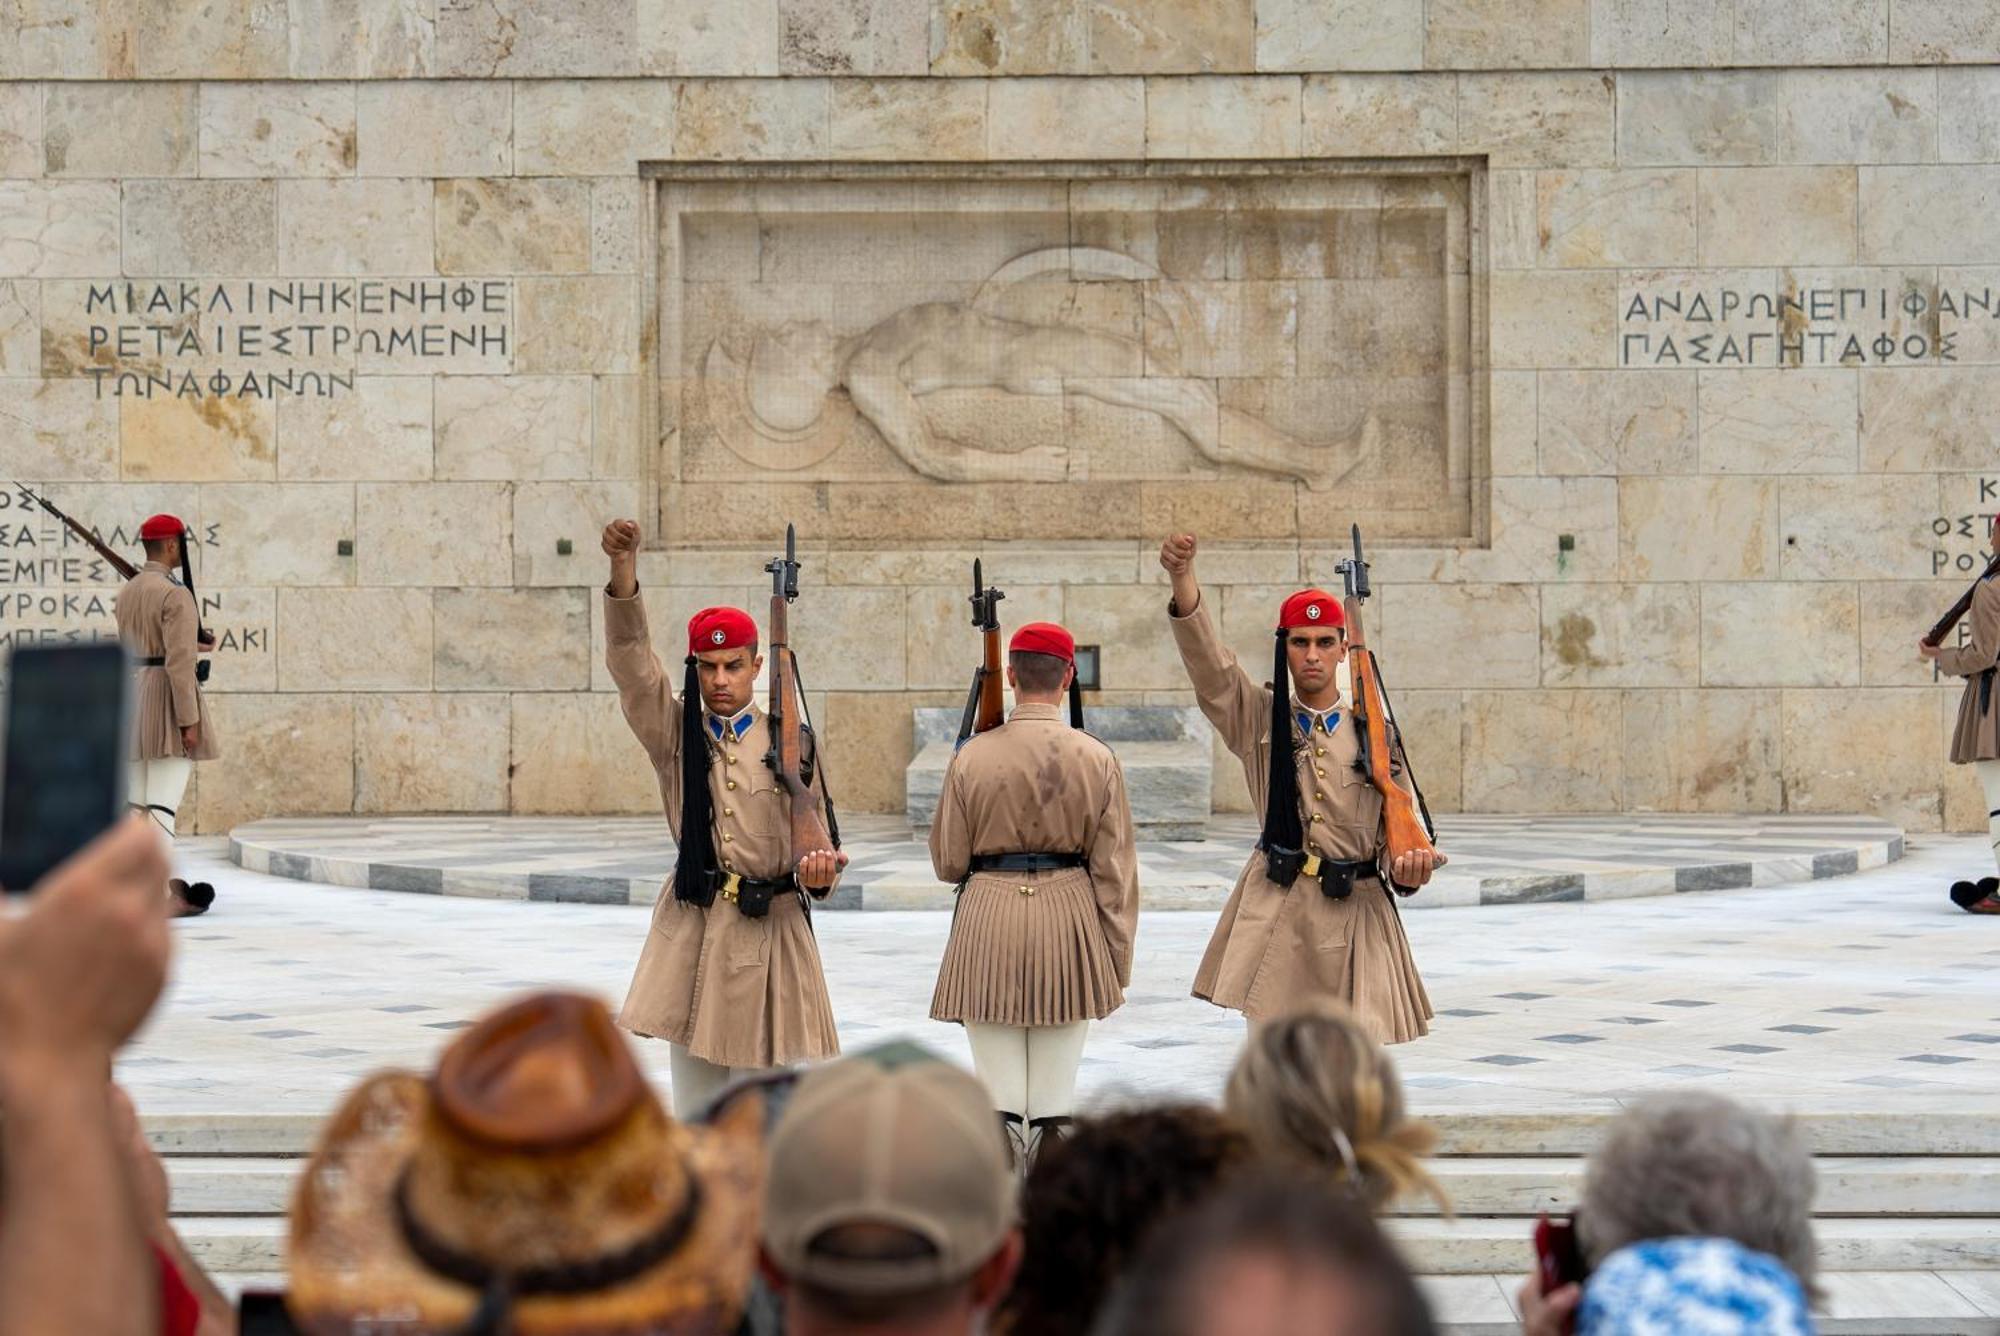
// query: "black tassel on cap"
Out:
[1284,833]
[695,871]
[1075,700]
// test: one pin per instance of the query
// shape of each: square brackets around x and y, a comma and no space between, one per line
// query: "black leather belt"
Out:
[1026,862]
[752,895]
[154,661]
[1336,879]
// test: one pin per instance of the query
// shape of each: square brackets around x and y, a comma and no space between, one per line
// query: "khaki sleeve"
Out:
[1982,651]
[1114,874]
[177,632]
[644,692]
[951,831]
[1236,705]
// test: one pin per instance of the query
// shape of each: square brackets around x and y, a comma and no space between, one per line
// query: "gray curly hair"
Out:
[1697,1164]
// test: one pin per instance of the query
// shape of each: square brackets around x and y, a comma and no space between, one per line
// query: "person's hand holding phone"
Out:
[1551,1314]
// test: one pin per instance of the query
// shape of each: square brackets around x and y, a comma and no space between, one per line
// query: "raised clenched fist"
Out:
[1177,554]
[621,539]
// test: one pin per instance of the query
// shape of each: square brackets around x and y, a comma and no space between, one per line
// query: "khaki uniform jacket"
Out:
[1275,948]
[736,991]
[1048,947]
[157,619]
[1977,734]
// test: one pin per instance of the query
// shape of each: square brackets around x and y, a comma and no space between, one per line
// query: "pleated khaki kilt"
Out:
[1026,960]
[155,735]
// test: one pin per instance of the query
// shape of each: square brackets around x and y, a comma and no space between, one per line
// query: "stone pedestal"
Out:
[1163,748]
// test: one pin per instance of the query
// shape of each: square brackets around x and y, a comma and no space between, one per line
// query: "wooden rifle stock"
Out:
[986,704]
[1956,612]
[809,829]
[1403,827]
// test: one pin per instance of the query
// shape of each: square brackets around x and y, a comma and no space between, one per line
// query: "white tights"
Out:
[158,783]
[697,1081]
[1989,779]
[1029,1071]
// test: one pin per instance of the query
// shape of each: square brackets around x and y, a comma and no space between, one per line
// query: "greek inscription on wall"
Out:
[1670,324]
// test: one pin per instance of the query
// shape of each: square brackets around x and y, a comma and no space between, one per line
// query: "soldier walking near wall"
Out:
[1976,740]
[730,974]
[1334,931]
[1034,828]
[160,625]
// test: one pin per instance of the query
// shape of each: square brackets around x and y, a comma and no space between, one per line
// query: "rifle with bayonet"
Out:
[804,782]
[1403,829]
[985,706]
[1956,612]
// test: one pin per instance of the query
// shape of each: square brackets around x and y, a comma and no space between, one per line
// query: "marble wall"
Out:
[381,295]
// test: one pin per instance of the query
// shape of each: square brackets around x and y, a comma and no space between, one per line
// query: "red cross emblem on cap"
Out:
[718,635]
[1312,611]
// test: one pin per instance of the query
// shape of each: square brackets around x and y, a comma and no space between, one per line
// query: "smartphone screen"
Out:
[66,745]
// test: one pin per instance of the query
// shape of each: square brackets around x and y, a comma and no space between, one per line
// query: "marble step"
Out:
[1951,1128]
[1477,1185]
[1468,1245]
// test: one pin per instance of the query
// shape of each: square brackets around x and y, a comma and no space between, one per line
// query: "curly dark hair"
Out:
[1092,1200]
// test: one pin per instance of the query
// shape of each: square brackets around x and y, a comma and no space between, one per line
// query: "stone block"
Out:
[1388,327]
[1175,37]
[1541,320]
[1887,760]
[1504,34]
[616,450]
[1616,422]
[545,513]
[849,638]
[536,39]
[245,623]
[230,39]
[289,755]
[1969,114]
[1531,518]
[1894,614]
[598,127]
[1620,635]
[587,323]
[513,427]
[1630,33]
[1703,751]
[1594,219]
[1748,117]
[460,127]
[943,648]
[1513,233]
[1925,419]
[1538,119]
[281,534]
[617,216]
[868,743]
[1797,420]
[1222,116]
[1307,35]
[1777,215]
[57,430]
[1698,528]
[1130,622]
[1779,635]
[21,130]
[1802,32]
[1418,623]
[1543,751]
[1858,527]
[431,753]
[198,440]
[1378,114]
[278,129]
[751,119]
[379,433]
[1432,723]
[362,39]
[1514,430]
[708,37]
[535,226]
[511,640]
[1039,119]
[189,228]
[853,37]
[334,640]
[1010,37]
[120,129]
[367,226]
[434,533]
[1930,215]
[1950,32]
[574,754]
[924,120]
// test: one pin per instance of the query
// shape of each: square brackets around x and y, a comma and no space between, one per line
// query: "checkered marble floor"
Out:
[1495,860]
[1868,992]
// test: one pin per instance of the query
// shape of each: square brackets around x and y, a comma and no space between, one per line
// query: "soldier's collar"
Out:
[736,724]
[1035,709]
[1326,720]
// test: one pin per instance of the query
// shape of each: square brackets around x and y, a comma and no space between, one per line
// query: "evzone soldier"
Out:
[730,974]
[1334,931]
[1034,829]
[160,626]
[1976,739]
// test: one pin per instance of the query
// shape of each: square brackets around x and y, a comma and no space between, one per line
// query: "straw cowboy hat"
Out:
[533,1185]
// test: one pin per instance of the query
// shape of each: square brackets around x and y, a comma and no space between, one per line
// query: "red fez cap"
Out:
[161,526]
[1044,638]
[1311,607]
[720,628]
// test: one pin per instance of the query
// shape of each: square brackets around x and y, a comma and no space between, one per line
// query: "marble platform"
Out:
[1496,860]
